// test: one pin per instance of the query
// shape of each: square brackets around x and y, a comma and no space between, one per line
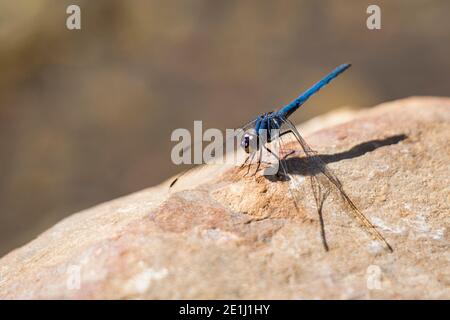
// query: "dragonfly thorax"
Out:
[266,128]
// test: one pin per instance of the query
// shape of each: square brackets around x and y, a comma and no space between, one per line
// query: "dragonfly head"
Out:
[249,141]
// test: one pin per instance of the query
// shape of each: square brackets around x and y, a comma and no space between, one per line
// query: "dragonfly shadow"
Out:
[363,148]
[306,166]
[311,166]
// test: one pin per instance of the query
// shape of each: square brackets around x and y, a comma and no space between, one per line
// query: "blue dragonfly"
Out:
[273,127]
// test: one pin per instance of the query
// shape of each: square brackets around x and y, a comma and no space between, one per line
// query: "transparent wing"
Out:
[193,167]
[294,180]
[323,180]
[320,194]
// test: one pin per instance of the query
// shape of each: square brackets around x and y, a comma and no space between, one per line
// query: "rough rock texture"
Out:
[221,235]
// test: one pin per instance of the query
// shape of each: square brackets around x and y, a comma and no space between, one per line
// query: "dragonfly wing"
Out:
[294,181]
[320,193]
[323,177]
[238,131]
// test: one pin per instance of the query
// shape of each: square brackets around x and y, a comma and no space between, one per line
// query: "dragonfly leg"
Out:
[288,154]
[279,160]
[285,133]
[271,152]
[250,162]
[245,162]
[259,162]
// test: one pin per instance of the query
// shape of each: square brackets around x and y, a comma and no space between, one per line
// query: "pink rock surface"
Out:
[218,234]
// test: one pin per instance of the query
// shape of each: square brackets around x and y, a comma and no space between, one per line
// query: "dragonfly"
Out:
[272,128]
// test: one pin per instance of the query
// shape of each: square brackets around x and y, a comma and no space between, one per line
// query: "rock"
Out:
[221,235]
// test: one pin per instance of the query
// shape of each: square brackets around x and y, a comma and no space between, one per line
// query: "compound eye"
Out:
[247,143]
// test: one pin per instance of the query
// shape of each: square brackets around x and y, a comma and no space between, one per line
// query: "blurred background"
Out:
[86,116]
